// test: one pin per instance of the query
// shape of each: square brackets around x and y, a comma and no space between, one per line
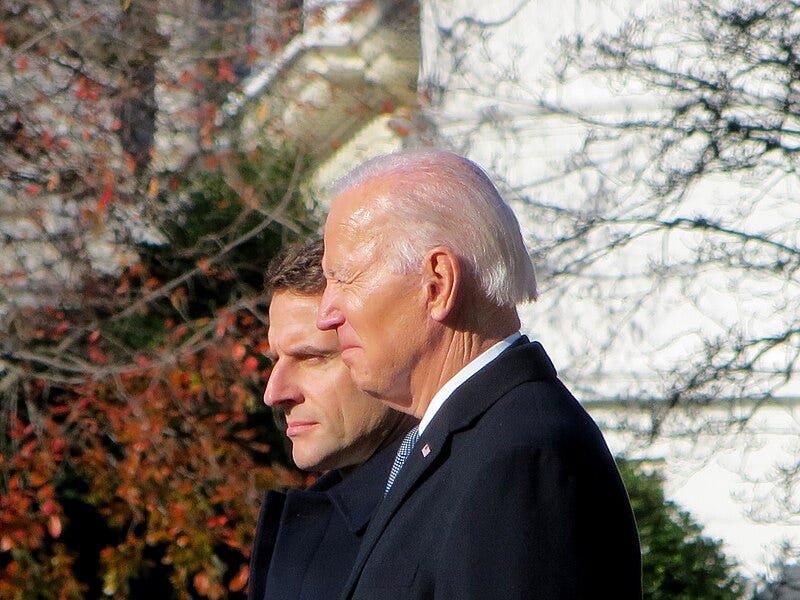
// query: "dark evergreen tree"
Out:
[678,561]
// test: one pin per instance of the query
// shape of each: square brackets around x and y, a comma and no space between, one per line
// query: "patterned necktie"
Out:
[402,454]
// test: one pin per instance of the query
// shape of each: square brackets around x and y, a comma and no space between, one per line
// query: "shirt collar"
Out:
[465,373]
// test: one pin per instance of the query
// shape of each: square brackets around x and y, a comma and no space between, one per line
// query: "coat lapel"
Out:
[304,517]
[266,534]
[359,495]
[303,524]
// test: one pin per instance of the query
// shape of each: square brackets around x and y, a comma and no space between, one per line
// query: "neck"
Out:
[458,346]
[395,427]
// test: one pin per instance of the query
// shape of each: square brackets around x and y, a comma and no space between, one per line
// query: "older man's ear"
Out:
[443,281]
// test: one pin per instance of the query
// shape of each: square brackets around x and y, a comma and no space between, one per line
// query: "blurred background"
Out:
[154,155]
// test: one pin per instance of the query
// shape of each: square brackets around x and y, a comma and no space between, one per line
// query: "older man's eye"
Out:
[340,278]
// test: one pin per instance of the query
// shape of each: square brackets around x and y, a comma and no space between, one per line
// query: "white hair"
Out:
[438,198]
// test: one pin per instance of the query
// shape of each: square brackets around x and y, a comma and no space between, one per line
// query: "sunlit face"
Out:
[330,422]
[379,315]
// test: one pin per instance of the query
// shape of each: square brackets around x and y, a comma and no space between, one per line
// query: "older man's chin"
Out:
[353,359]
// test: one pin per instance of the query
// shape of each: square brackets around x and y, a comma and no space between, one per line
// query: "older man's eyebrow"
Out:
[341,274]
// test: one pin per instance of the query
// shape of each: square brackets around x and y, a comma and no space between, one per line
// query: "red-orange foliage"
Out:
[168,454]
[134,446]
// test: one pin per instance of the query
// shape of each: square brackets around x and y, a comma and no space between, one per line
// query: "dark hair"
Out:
[297,268]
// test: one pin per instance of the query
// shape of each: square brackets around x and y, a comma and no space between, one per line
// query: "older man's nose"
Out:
[329,316]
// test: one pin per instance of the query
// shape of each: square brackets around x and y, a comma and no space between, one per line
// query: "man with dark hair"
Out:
[307,539]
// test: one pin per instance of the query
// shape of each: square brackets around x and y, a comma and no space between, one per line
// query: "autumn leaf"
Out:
[217,521]
[97,356]
[250,365]
[54,526]
[204,265]
[240,579]
[225,72]
[105,197]
[263,111]
[238,351]
[201,583]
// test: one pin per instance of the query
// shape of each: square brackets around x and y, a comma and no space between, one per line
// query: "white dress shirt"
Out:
[472,367]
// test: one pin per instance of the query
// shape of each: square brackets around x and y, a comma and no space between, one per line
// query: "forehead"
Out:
[292,323]
[354,221]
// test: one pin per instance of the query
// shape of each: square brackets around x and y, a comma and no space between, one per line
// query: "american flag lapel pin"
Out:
[426,449]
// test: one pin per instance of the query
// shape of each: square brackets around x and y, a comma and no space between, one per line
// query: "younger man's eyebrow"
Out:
[304,350]
[311,350]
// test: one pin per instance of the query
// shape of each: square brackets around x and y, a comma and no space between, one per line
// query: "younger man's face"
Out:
[330,422]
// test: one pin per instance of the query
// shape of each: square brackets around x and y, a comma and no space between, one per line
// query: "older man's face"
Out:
[379,315]
[331,423]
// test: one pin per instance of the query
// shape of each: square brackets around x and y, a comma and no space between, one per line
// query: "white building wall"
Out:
[726,479]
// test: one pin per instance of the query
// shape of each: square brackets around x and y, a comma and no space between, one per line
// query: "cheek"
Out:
[373,300]
[341,397]
[358,310]
[401,323]
[362,416]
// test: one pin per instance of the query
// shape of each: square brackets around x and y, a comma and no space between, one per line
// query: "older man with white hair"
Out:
[508,489]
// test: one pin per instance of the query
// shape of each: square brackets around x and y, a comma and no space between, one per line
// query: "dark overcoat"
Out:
[307,540]
[510,493]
